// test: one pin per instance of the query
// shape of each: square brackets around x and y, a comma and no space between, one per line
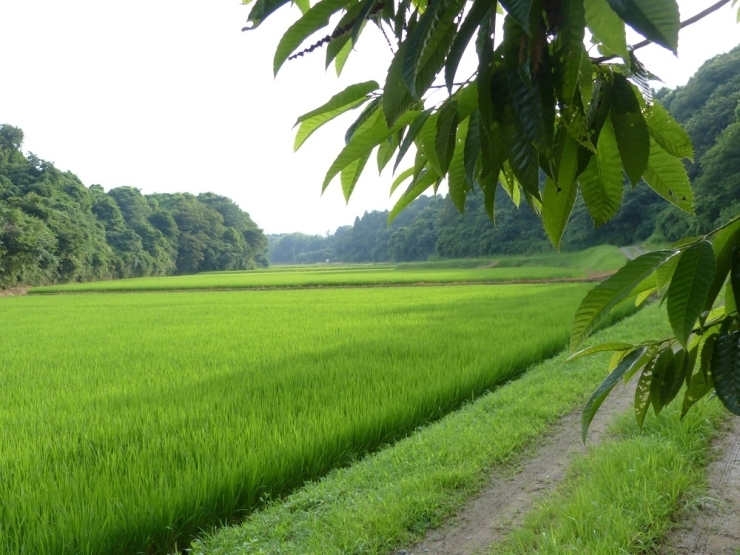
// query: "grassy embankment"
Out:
[388,500]
[625,495]
[131,422]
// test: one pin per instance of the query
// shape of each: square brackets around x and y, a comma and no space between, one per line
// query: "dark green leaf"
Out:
[457,182]
[664,369]
[700,383]
[366,6]
[689,287]
[606,27]
[342,42]
[723,242]
[314,19]
[261,11]
[657,20]
[630,129]
[519,10]
[417,41]
[674,377]
[735,274]
[363,143]
[476,14]
[396,97]
[601,182]
[411,135]
[725,367]
[472,148]
[598,396]
[560,197]
[599,302]
[642,393]
[570,50]
[667,176]
[444,142]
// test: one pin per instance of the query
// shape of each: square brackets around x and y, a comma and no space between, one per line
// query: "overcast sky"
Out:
[171,96]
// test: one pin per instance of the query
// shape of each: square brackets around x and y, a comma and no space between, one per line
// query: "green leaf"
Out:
[341,58]
[403,176]
[316,18]
[725,368]
[668,133]
[560,197]
[417,40]
[411,135]
[367,118]
[735,274]
[428,142]
[457,182]
[303,5]
[396,97]
[630,129]
[347,97]
[351,174]
[599,349]
[689,287]
[361,18]
[444,143]
[601,182]
[657,20]
[606,27]
[523,159]
[261,10]
[570,50]
[362,143]
[674,377]
[667,176]
[599,302]
[700,382]
[519,10]
[427,178]
[477,12]
[385,152]
[664,369]
[665,272]
[598,396]
[342,45]
[723,242]
[642,394]
[309,126]
[472,148]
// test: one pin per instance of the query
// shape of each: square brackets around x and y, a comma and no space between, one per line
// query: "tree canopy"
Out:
[54,229]
[545,119]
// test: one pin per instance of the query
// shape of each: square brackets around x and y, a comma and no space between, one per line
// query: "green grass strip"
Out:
[389,499]
[624,496]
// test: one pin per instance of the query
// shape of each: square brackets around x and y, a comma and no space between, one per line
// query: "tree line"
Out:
[54,229]
[707,107]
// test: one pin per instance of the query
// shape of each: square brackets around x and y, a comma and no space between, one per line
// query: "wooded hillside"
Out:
[54,229]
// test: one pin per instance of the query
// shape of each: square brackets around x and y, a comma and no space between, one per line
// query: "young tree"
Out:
[539,105]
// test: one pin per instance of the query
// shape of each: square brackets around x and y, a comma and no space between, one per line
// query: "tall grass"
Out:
[316,277]
[131,422]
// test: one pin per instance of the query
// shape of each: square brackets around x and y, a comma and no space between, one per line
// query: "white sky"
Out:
[171,96]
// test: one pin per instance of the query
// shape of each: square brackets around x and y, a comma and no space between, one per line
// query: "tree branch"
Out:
[701,15]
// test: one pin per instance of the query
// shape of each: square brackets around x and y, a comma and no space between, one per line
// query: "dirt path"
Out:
[503,504]
[13,291]
[715,528]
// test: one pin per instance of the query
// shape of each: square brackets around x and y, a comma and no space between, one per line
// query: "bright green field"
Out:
[131,422]
[315,277]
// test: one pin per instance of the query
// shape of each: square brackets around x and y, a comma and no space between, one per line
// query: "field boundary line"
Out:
[587,279]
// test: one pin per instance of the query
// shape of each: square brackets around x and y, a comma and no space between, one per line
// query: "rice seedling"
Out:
[131,422]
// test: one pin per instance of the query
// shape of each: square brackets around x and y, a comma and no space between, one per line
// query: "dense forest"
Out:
[54,229]
[707,107]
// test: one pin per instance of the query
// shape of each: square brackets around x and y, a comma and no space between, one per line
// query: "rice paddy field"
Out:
[132,422]
[318,277]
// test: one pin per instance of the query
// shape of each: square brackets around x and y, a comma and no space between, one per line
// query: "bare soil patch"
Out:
[13,291]
[714,528]
[510,495]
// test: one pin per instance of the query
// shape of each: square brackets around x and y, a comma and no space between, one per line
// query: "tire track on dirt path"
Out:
[715,528]
[502,504]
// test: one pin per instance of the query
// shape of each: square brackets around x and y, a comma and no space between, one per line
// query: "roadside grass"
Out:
[388,500]
[130,422]
[626,494]
[311,278]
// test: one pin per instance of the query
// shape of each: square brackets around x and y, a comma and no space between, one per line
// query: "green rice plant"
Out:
[625,495]
[310,277]
[387,500]
[129,423]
